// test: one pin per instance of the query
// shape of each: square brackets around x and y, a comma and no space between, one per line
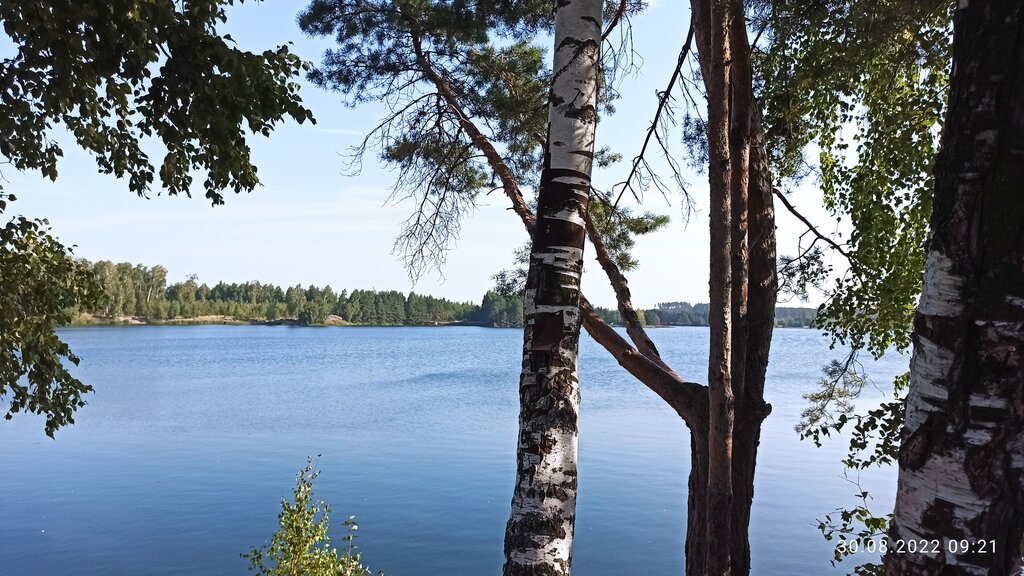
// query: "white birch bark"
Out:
[538,538]
[960,497]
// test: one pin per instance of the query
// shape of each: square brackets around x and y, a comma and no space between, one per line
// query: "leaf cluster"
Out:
[438,67]
[117,73]
[858,526]
[464,89]
[619,228]
[116,76]
[40,283]
[875,438]
[865,82]
[798,274]
[874,441]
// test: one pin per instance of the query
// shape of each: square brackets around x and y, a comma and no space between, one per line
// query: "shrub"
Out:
[302,546]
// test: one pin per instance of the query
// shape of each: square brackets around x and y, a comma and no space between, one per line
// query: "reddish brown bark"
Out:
[720,394]
[740,108]
[751,409]
[754,289]
[696,548]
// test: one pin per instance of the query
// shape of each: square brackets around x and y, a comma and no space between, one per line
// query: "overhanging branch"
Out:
[814,230]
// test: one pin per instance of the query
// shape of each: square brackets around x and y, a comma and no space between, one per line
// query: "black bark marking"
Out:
[976,224]
[917,448]
[986,467]
[549,389]
[548,332]
[585,113]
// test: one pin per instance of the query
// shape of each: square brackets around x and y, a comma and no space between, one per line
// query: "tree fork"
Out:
[685,398]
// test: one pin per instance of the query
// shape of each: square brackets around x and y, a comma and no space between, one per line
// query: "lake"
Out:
[195,433]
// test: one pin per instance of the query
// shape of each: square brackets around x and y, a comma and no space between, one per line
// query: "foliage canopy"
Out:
[865,83]
[116,73]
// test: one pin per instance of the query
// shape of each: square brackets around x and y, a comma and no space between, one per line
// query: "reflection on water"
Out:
[194,434]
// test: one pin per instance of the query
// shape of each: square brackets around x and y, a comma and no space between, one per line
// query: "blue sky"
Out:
[309,223]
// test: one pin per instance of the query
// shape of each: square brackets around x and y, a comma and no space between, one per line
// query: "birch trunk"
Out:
[960,496]
[689,400]
[538,538]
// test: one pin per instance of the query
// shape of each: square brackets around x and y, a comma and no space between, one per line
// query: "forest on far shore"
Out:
[133,293]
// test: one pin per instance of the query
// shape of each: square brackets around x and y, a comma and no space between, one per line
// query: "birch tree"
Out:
[538,538]
[881,69]
[959,506]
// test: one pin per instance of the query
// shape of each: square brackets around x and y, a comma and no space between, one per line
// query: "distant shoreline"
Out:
[86,320]
[221,320]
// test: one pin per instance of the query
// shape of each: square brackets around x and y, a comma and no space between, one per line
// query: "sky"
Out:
[311,224]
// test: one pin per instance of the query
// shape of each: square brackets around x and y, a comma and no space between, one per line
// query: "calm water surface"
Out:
[194,434]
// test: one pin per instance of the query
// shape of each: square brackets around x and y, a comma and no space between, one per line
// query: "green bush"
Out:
[302,546]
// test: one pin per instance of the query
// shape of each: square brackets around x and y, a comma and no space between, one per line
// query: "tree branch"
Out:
[494,159]
[619,13]
[620,285]
[688,399]
[792,210]
[663,101]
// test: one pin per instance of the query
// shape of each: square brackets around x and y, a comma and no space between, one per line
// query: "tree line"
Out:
[140,291]
[135,290]
[686,314]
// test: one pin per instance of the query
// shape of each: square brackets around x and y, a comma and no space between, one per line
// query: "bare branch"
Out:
[814,230]
[688,399]
[619,13]
[640,164]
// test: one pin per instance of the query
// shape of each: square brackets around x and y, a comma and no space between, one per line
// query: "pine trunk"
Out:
[538,538]
[696,548]
[720,394]
[755,286]
[725,442]
[960,497]
[762,292]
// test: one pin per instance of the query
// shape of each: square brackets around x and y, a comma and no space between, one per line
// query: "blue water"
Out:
[179,461]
